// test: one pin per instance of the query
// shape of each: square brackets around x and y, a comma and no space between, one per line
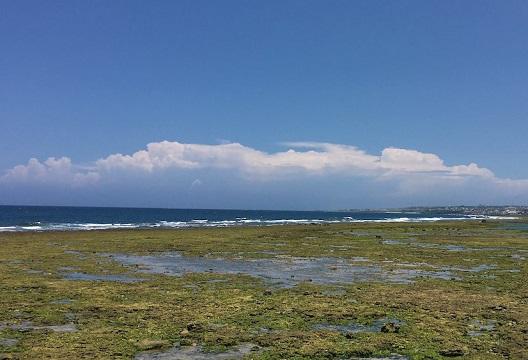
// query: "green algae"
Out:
[219,312]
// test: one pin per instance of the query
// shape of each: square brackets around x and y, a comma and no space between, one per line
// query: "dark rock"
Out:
[194,326]
[452,352]
[267,292]
[390,327]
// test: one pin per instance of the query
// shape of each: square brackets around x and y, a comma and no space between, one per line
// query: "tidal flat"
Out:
[447,289]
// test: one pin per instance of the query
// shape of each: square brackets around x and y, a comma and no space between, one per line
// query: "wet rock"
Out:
[390,327]
[452,352]
[193,326]
[148,344]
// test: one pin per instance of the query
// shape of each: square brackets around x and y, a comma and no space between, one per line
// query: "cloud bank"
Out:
[405,172]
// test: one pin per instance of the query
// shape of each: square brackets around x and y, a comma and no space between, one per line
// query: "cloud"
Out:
[412,161]
[316,158]
[51,171]
[409,171]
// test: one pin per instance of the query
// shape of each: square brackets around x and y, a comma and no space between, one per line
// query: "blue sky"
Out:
[85,80]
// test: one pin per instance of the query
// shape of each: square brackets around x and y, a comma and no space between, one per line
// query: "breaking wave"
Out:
[229,223]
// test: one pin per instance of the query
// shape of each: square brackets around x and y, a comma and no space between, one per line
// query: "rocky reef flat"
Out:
[435,290]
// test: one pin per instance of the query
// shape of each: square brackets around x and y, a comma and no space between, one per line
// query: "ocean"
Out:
[60,218]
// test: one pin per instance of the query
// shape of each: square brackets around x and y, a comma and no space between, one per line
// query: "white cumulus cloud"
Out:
[52,170]
[412,169]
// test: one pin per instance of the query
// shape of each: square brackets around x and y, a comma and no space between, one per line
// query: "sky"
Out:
[263,104]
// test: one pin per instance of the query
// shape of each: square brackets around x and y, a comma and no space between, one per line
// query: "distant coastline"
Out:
[490,210]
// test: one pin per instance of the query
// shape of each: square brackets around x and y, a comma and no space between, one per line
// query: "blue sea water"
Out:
[42,218]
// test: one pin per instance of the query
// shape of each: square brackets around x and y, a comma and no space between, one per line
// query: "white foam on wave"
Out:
[8,228]
[32,227]
[501,217]
[171,223]
[236,222]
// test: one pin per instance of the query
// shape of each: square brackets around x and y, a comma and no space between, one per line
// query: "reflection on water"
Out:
[99,277]
[286,272]
[197,353]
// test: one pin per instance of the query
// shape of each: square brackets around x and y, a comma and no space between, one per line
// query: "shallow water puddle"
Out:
[197,353]
[337,292]
[474,269]
[448,247]
[515,226]
[99,277]
[6,342]
[76,253]
[64,301]
[35,272]
[29,326]
[390,357]
[480,327]
[285,272]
